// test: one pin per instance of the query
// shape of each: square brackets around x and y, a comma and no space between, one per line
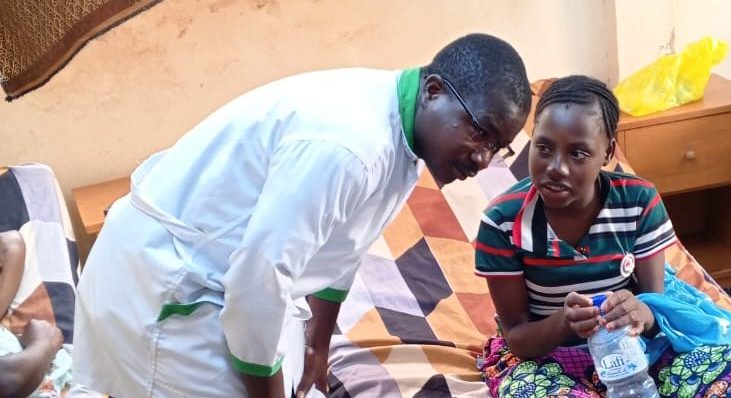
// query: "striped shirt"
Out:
[515,240]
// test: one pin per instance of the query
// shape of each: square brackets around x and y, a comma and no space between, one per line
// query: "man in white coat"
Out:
[200,282]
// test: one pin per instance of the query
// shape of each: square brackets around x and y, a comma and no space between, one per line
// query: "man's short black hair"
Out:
[583,90]
[480,64]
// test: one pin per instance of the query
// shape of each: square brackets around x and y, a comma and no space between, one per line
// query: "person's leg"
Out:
[563,372]
[703,372]
[12,264]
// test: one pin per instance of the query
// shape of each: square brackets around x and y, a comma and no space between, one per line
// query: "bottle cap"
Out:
[598,299]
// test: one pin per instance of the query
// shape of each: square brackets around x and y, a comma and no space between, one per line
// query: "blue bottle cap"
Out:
[598,299]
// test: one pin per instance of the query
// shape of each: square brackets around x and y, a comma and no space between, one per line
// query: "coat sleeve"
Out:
[311,188]
[337,292]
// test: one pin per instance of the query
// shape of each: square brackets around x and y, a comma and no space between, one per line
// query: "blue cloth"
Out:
[686,316]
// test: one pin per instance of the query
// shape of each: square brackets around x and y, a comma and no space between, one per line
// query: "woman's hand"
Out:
[622,308]
[580,315]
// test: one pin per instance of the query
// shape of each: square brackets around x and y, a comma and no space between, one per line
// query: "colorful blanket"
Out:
[31,202]
[416,316]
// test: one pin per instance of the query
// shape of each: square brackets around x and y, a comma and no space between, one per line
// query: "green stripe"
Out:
[408,91]
[333,295]
[253,369]
[177,308]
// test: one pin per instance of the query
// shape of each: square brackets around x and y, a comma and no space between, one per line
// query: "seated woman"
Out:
[23,363]
[569,231]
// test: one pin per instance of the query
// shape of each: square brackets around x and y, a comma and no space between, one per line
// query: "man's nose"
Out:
[481,158]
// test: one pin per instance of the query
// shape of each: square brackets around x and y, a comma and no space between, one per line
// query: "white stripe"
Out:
[576,286]
[551,299]
[487,220]
[526,235]
[612,227]
[543,311]
[650,251]
[501,273]
[654,234]
[620,212]
[507,226]
[546,298]
[544,307]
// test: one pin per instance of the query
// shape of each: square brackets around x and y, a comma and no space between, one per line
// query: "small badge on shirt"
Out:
[627,266]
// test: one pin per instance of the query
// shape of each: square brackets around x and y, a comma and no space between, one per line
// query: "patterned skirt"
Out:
[569,372]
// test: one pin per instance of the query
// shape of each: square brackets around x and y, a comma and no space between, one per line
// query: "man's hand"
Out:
[317,345]
[315,372]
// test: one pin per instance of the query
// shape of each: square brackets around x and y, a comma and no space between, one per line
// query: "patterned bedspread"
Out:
[417,316]
[31,202]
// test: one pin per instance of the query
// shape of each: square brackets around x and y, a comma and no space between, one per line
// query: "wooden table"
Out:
[93,200]
[685,148]
[686,153]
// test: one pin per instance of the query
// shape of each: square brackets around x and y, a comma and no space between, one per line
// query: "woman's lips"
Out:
[553,190]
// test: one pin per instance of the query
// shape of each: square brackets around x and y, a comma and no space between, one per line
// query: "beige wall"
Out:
[139,87]
[647,29]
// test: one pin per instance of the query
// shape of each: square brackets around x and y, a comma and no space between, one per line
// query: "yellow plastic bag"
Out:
[672,80]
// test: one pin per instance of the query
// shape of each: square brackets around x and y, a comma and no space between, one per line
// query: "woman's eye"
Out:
[579,155]
[542,148]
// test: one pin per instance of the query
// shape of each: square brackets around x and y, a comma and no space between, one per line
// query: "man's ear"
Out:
[609,154]
[433,86]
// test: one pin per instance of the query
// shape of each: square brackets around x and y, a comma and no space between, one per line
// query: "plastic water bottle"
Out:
[620,361]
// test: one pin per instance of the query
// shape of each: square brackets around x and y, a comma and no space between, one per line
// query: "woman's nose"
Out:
[557,166]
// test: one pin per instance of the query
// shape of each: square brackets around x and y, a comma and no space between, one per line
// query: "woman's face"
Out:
[568,149]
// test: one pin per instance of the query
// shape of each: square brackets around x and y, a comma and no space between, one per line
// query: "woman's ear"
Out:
[609,154]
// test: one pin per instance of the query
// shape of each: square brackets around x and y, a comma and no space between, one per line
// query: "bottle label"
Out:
[625,362]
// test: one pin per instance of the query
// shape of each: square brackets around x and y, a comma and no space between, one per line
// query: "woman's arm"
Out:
[22,373]
[12,264]
[530,339]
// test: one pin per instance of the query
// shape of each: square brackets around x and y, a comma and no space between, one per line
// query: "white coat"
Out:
[202,270]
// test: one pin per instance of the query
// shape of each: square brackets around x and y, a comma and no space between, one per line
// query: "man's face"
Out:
[452,143]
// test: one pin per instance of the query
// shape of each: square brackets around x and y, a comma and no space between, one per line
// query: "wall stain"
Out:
[218,5]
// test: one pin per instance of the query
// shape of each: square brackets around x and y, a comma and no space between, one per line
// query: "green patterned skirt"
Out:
[569,372]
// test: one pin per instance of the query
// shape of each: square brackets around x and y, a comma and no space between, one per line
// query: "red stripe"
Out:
[499,276]
[495,251]
[629,182]
[652,204]
[517,228]
[518,222]
[563,262]
[507,197]
[556,248]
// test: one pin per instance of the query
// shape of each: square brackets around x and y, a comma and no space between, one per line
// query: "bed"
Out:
[416,317]
[31,202]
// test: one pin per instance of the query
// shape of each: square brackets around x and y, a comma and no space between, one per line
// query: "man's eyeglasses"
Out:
[482,133]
